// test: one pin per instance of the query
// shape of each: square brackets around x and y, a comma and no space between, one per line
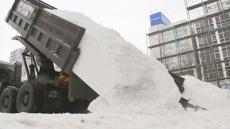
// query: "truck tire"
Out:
[29,98]
[8,100]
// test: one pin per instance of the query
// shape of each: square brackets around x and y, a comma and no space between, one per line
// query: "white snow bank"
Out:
[205,94]
[186,120]
[125,78]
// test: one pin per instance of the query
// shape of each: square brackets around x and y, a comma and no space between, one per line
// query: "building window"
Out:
[212,7]
[170,49]
[172,63]
[226,4]
[201,26]
[154,39]
[223,20]
[168,35]
[209,72]
[193,2]
[184,45]
[227,67]
[210,23]
[187,60]
[220,70]
[203,59]
[224,35]
[217,54]
[228,49]
[226,52]
[155,52]
[182,31]
[205,41]
[207,56]
[196,13]
[202,40]
[187,72]
[213,38]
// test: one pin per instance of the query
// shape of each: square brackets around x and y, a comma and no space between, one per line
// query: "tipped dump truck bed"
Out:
[56,38]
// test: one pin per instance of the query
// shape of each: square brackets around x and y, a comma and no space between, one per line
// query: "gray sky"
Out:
[128,17]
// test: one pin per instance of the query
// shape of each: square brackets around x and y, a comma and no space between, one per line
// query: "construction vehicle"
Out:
[49,40]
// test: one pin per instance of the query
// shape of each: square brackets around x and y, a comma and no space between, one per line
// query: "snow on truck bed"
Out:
[119,72]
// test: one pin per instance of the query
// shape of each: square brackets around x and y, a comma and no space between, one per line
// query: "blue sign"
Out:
[159,18]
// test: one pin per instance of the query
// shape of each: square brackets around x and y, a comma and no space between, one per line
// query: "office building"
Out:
[199,46]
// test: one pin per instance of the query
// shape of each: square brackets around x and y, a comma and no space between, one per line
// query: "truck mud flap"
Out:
[78,89]
[179,81]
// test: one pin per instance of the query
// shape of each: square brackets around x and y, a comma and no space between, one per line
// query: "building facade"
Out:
[199,46]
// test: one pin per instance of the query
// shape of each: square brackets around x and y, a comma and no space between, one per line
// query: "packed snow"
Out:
[136,91]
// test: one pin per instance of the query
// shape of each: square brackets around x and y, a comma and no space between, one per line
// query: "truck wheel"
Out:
[29,98]
[8,100]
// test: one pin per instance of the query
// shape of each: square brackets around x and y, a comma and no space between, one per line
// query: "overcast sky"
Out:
[128,17]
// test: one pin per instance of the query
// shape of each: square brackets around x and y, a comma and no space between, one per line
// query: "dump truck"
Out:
[49,40]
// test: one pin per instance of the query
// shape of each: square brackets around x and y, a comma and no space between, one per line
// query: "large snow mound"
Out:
[205,94]
[125,78]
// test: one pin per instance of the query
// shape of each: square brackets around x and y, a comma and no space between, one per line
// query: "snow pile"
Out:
[205,94]
[125,78]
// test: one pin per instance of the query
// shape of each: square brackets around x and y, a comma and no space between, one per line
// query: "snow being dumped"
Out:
[205,94]
[124,77]
[129,82]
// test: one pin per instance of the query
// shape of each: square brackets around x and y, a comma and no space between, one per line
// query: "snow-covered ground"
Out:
[136,91]
[218,119]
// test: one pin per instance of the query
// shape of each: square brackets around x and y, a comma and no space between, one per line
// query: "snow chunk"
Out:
[205,94]
[126,79]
